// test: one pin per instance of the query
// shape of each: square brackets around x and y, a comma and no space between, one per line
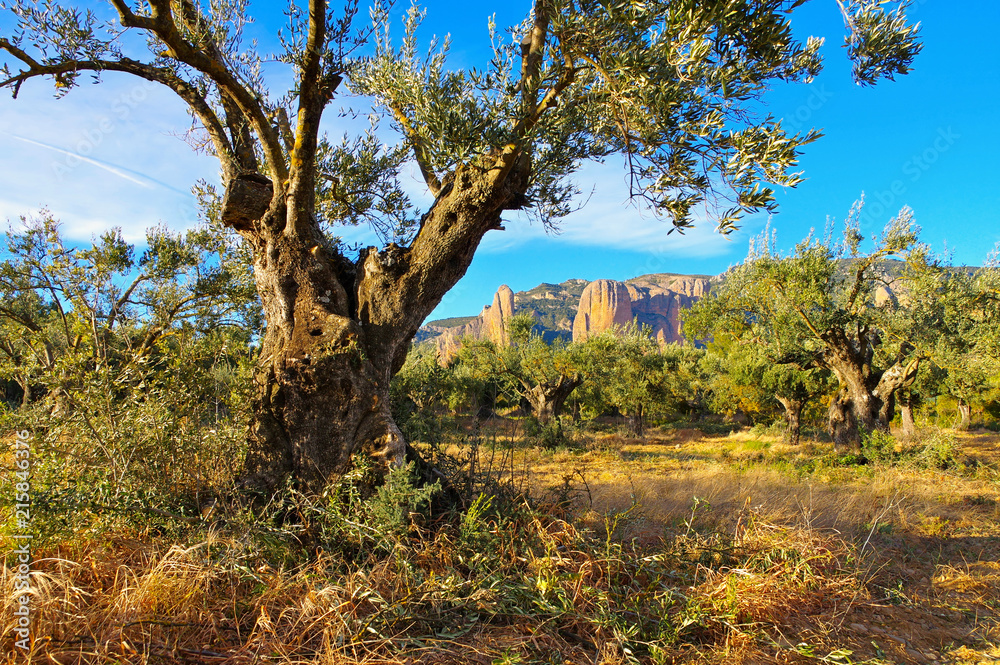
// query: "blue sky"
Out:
[113,155]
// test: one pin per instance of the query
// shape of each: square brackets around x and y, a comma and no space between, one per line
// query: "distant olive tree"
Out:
[625,371]
[744,378]
[966,305]
[543,375]
[835,306]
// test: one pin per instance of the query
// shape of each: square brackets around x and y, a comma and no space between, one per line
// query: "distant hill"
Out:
[577,308]
[453,322]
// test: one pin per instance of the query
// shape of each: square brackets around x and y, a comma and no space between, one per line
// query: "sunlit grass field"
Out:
[681,547]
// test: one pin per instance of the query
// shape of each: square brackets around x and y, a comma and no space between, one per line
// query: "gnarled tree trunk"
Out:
[338,331]
[866,399]
[547,399]
[793,417]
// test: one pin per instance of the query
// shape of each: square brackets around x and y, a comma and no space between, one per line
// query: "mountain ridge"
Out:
[577,308]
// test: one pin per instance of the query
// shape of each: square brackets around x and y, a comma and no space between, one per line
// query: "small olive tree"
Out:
[544,375]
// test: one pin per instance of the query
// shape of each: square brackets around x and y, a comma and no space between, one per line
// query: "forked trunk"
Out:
[321,387]
[337,330]
[793,417]
[547,399]
[866,399]
[964,415]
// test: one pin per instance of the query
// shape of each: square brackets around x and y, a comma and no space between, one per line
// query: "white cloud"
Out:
[609,219]
[102,156]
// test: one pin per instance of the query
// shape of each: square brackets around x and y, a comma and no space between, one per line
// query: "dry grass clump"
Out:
[511,585]
[721,550]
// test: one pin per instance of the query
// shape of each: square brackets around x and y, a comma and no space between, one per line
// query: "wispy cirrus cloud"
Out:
[101,157]
[122,172]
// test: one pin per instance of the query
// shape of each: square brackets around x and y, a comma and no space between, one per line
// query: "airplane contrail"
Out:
[120,171]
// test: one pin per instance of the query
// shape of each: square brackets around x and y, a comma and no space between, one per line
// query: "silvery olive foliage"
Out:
[671,87]
[668,86]
[880,42]
[791,306]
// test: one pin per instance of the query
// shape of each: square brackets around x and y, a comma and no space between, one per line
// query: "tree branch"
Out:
[120,303]
[187,92]
[314,93]
[24,321]
[532,53]
[419,149]
[128,18]
[898,376]
[164,27]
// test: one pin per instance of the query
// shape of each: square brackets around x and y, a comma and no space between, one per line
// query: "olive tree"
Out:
[544,375]
[966,305]
[66,311]
[744,378]
[626,371]
[838,306]
[671,86]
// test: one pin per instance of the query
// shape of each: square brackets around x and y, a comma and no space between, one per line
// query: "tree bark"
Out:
[338,331]
[793,417]
[25,384]
[322,391]
[634,422]
[866,399]
[851,415]
[965,415]
[906,414]
[547,399]
[842,424]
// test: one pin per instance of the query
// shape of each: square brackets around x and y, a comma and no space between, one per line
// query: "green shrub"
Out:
[548,436]
[777,428]
[938,451]
[880,447]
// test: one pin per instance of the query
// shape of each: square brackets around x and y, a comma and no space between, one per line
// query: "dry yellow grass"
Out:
[740,545]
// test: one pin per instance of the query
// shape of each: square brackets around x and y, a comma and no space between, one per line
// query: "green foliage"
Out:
[547,435]
[880,447]
[843,307]
[966,358]
[526,368]
[421,381]
[627,370]
[363,187]
[351,519]
[787,305]
[137,371]
[938,450]
[879,42]
[660,83]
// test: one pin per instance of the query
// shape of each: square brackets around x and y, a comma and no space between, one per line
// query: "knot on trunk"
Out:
[248,197]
